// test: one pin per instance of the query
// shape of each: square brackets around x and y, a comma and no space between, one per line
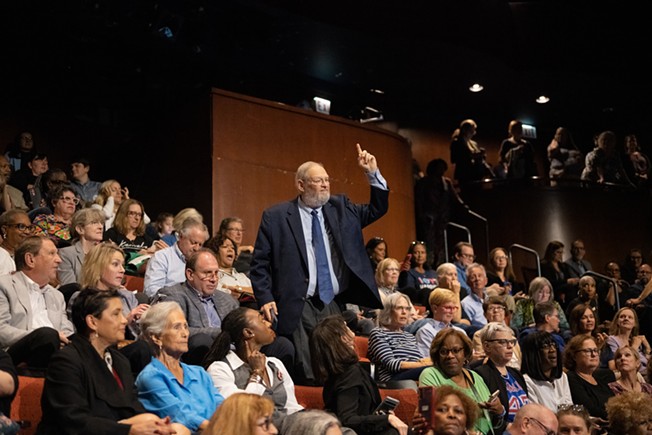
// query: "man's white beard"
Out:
[315,200]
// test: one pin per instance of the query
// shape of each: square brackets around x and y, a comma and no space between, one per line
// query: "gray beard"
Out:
[315,200]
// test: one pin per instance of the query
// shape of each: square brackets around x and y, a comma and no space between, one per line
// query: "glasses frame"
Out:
[545,428]
[503,341]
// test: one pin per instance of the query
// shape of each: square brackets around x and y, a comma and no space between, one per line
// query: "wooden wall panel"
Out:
[257,146]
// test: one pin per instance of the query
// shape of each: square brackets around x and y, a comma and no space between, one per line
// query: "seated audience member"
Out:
[624,330]
[312,422]
[587,295]
[534,419]
[87,189]
[603,163]
[553,268]
[546,318]
[231,281]
[494,311]
[630,414]
[393,350]
[589,384]
[577,265]
[628,364]
[442,306]
[25,178]
[168,265]
[203,306]
[447,278]
[108,200]
[582,321]
[547,383]
[419,280]
[56,226]
[455,413]
[89,386]
[575,420]
[236,364]
[476,277]
[464,257]
[349,391]
[243,414]
[377,251]
[540,290]
[449,351]
[606,292]
[162,226]
[103,270]
[128,231]
[166,386]
[44,190]
[178,221]
[499,343]
[501,280]
[10,197]
[387,273]
[20,150]
[33,321]
[15,227]
[86,230]
[233,228]
[641,288]
[8,383]
[631,264]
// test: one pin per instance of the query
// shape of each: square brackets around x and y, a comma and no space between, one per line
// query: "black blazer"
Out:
[7,365]
[279,270]
[353,396]
[81,396]
[495,381]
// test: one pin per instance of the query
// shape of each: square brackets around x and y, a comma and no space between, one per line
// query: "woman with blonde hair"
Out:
[177,223]
[243,414]
[624,330]
[109,198]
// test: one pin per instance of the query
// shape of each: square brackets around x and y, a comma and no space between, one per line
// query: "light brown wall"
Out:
[257,146]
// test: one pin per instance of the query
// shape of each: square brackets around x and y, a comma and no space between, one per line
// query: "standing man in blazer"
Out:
[302,272]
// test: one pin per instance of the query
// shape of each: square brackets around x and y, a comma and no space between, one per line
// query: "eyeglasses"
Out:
[448,307]
[444,352]
[593,351]
[134,214]
[207,275]
[392,269]
[503,341]
[496,308]
[324,180]
[418,242]
[265,423]
[549,346]
[236,230]
[23,227]
[545,428]
[468,256]
[72,199]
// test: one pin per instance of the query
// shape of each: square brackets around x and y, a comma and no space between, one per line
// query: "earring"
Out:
[97,335]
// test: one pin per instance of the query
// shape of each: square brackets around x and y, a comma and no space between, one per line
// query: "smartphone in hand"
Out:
[388,404]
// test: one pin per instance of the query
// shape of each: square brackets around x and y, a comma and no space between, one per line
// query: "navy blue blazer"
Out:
[279,269]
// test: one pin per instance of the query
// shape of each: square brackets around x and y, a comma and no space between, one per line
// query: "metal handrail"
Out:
[613,281]
[453,224]
[526,249]
[486,228]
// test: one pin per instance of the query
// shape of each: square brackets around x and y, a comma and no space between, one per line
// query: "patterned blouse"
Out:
[57,231]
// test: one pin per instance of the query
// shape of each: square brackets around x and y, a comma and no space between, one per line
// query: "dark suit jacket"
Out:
[196,316]
[353,396]
[573,268]
[279,270]
[81,396]
[7,365]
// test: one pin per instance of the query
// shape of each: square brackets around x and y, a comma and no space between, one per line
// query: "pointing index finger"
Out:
[357,145]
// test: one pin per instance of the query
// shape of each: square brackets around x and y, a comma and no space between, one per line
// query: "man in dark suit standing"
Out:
[310,258]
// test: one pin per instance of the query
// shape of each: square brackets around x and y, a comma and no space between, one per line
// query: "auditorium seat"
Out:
[26,406]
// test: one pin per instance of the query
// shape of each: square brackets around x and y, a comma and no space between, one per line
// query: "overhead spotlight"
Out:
[377,91]
[476,87]
[542,99]
[369,114]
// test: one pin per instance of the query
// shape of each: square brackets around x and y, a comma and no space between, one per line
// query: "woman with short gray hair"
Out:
[312,422]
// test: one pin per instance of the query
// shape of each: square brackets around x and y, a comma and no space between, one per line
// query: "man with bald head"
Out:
[310,258]
[534,419]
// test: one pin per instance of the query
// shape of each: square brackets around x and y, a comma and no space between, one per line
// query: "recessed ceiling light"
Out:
[476,87]
[377,91]
[542,99]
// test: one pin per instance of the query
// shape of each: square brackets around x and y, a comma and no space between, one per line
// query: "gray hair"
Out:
[303,170]
[83,217]
[475,266]
[189,224]
[444,267]
[309,422]
[390,302]
[489,331]
[537,284]
[153,321]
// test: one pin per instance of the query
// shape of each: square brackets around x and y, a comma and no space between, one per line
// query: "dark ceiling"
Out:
[132,57]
